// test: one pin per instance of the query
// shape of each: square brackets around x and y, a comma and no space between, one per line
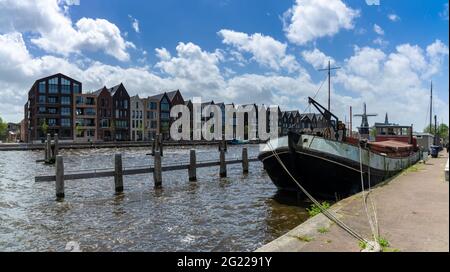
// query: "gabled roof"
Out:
[114,89]
[171,95]
[97,93]
[157,96]
[310,116]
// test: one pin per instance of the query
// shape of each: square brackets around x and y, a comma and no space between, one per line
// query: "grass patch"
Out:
[384,243]
[315,210]
[304,238]
[323,230]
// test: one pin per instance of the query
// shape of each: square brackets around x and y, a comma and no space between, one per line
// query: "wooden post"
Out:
[223,165]
[48,148]
[56,150]
[153,147]
[192,170]
[118,173]
[157,173]
[161,145]
[59,177]
[244,160]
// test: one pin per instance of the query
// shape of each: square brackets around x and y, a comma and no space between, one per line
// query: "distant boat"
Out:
[327,167]
[239,142]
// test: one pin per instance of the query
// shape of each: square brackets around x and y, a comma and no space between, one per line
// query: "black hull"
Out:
[320,174]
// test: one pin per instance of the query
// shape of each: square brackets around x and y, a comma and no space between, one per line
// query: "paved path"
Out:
[413,213]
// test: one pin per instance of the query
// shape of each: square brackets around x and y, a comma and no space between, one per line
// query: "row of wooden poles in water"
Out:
[158,168]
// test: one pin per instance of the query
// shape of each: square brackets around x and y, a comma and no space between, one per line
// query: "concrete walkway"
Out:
[413,214]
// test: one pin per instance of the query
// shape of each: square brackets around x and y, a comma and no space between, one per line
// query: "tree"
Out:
[3,129]
[442,130]
[44,127]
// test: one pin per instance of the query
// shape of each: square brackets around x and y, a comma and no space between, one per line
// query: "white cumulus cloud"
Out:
[308,20]
[265,50]
[56,32]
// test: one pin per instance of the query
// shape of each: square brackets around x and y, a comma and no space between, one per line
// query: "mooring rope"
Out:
[328,214]
[373,221]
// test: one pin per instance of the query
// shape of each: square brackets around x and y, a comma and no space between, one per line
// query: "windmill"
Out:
[364,129]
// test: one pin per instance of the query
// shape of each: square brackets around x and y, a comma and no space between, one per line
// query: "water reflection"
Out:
[237,213]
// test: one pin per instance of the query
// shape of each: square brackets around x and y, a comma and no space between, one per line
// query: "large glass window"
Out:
[65,86]
[65,122]
[65,111]
[165,115]
[42,87]
[52,110]
[165,106]
[42,110]
[80,100]
[41,99]
[53,85]
[76,88]
[153,105]
[65,100]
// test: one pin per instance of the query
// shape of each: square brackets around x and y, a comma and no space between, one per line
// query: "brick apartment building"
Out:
[49,108]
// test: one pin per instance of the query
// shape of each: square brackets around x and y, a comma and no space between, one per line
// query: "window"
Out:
[42,110]
[165,106]
[76,88]
[52,110]
[65,100]
[89,111]
[151,115]
[65,111]
[52,100]
[90,101]
[125,104]
[42,87]
[153,124]
[134,114]
[65,86]
[165,115]
[41,99]
[52,122]
[152,105]
[117,114]
[137,105]
[80,100]
[65,122]
[53,85]
[104,123]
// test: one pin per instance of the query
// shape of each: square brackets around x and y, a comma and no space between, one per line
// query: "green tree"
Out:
[44,127]
[3,129]
[442,130]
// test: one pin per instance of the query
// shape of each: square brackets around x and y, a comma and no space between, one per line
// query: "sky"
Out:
[253,51]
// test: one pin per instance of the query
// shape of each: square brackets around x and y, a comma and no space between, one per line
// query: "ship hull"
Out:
[328,169]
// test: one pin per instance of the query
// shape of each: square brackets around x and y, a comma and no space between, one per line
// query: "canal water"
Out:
[237,213]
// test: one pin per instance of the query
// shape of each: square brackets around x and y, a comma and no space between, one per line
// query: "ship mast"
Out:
[329,68]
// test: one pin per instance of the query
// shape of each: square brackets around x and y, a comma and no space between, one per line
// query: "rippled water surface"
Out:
[237,213]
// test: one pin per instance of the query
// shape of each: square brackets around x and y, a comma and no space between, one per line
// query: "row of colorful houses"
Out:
[57,104]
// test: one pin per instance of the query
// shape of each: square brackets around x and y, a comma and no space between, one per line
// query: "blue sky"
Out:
[262,51]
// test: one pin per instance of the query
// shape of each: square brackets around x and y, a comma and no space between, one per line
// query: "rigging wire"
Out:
[327,213]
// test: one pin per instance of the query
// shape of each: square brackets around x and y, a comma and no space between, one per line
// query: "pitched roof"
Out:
[157,96]
[99,91]
[114,89]
[172,94]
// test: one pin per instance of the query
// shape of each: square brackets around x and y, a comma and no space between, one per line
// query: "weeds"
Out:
[304,238]
[322,230]
[315,210]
